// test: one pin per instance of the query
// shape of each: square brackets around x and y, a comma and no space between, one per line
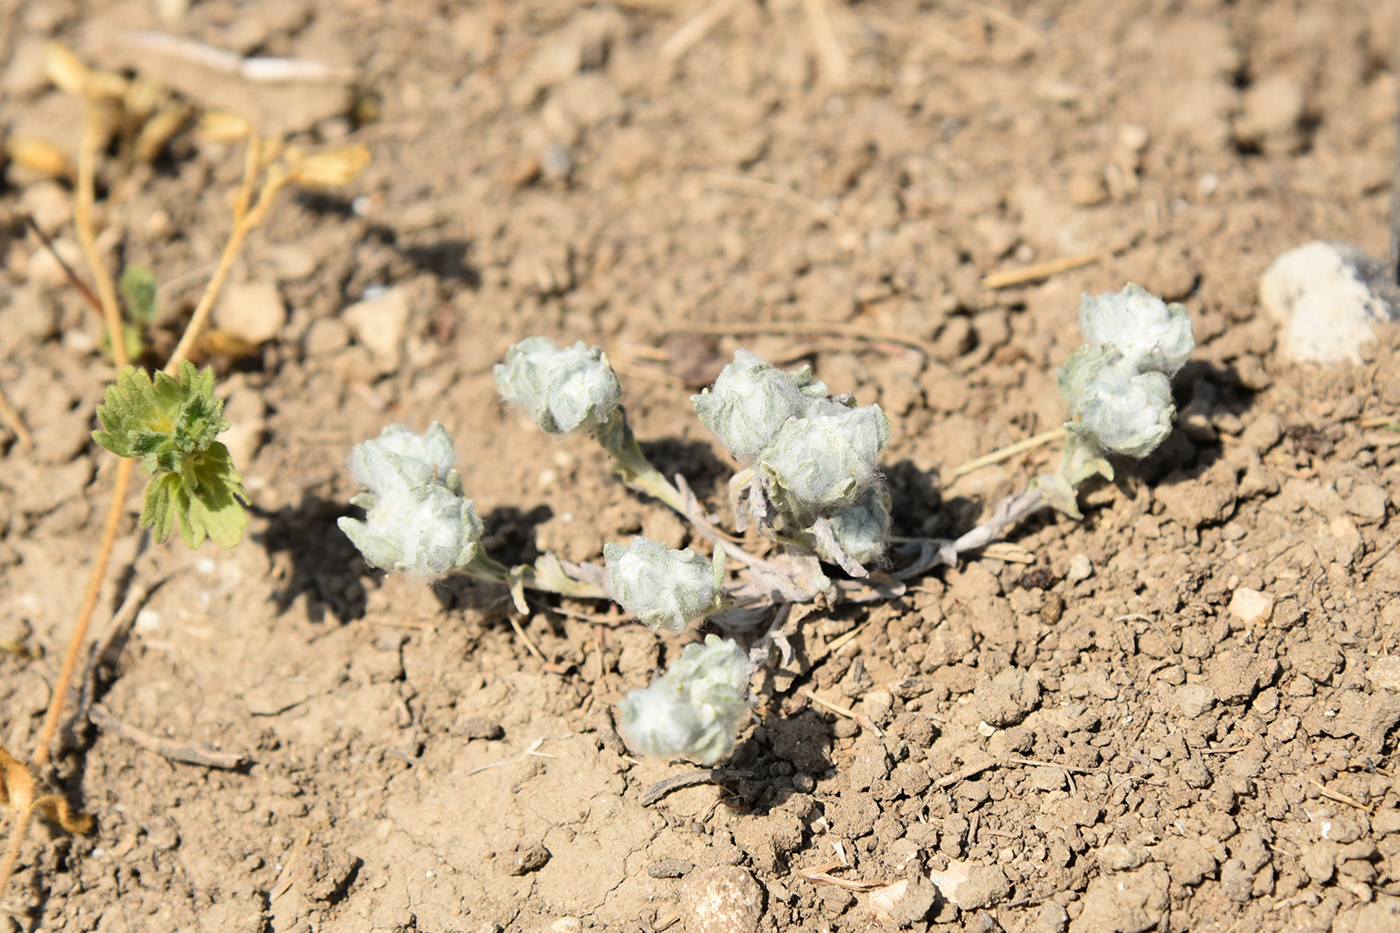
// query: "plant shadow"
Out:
[326,567]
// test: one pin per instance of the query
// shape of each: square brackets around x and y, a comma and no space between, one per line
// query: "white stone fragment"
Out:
[1251,606]
[1327,297]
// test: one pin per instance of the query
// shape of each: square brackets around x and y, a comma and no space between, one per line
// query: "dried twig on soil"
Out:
[821,874]
[174,751]
[865,721]
[697,28]
[14,422]
[1040,270]
[835,64]
[836,328]
[1007,452]
[704,776]
[257,70]
[1338,796]
[774,192]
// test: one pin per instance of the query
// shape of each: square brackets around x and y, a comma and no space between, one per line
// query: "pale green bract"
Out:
[694,710]
[399,460]
[663,587]
[827,458]
[751,401]
[1126,414]
[562,390]
[427,531]
[863,529]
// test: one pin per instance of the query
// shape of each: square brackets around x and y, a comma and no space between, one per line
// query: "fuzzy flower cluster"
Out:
[661,586]
[563,390]
[694,710]
[816,458]
[1119,383]
[417,520]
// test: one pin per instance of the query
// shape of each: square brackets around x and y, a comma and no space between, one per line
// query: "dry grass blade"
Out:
[1040,270]
[822,875]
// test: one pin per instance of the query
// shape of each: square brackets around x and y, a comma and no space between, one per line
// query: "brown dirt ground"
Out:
[1104,746]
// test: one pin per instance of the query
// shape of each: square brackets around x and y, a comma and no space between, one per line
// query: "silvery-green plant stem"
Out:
[637,472]
[548,575]
[632,465]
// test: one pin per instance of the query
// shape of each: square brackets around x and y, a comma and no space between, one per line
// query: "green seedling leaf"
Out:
[138,288]
[170,425]
[132,339]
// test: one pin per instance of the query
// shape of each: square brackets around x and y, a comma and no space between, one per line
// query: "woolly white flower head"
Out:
[417,520]
[694,710]
[663,587]
[563,390]
[827,458]
[751,400]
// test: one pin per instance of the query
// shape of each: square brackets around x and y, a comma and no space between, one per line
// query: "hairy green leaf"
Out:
[138,288]
[170,425]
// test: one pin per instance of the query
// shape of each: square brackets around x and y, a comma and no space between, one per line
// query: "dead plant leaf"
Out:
[17,793]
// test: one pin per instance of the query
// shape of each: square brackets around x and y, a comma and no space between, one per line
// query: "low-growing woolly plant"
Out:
[1118,385]
[810,481]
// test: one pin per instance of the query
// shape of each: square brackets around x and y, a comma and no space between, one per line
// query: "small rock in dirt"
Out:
[670,868]
[1202,497]
[871,764]
[1236,675]
[524,859]
[324,337]
[1385,673]
[251,310]
[1188,862]
[379,324]
[1327,297]
[878,705]
[1049,918]
[1076,811]
[48,204]
[1080,568]
[1194,699]
[1121,857]
[1128,902]
[1320,860]
[478,727]
[903,903]
[1007,698]
[322,873]
[1272,117]
[721,900]
[1367,502]
[1251,606]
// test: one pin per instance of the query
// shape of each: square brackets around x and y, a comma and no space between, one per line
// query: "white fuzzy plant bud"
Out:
[1119,384]
[661,586]
[417,520]
[825,459]
[1151,335]
[694,710]
[751,401]
[562,390]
